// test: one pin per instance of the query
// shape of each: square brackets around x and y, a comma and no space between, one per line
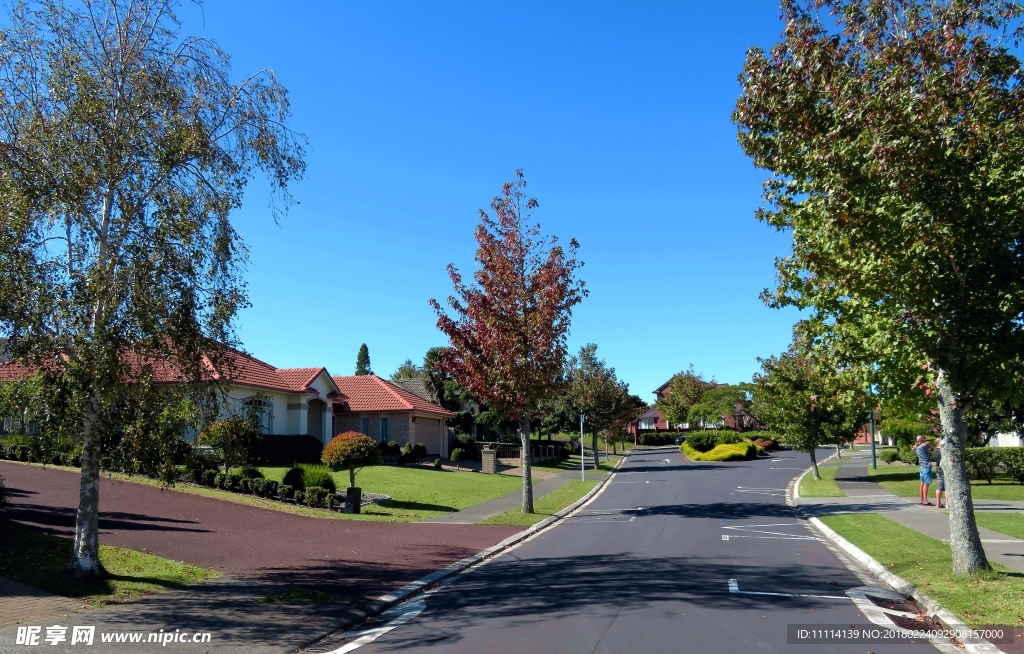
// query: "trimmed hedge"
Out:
[702,441]
[319,497]
[659,438]
[731,452]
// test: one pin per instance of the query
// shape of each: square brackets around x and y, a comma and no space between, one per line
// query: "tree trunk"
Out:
[524,434]
[964,540]
[839,451]
[597,453]
[814,465]
[352,475]
[85,555]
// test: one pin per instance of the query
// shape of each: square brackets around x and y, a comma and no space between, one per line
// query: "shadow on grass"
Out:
[417,506]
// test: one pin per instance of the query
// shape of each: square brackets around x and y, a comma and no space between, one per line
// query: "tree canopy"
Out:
[893,135]
[408,370]
[685,389]
[124,151]
[508,334]
[363,361]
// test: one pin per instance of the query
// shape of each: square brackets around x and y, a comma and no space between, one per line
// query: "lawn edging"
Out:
[423,584]
[895,582]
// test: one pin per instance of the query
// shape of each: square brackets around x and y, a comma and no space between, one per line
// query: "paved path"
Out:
[865,495]
[645,567]
[20,604]
[260,551]
[498,505]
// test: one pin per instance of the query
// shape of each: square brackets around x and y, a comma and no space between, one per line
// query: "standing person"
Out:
[924,462]
[940,478]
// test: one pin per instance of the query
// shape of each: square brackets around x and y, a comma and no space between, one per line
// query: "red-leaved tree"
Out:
[507,335]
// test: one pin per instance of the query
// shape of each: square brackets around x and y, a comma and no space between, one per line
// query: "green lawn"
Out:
[825,487]
[546,506]
[995,598]
[903,481]
[1011,524]
[574,464]
[37,559]
[418,493]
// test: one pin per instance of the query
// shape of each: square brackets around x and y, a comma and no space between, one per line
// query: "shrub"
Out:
[702,441]
[351,450]
[198,461]
[251,473]
[282,450]
[219,479]
[907,455]
[1012,461]
[270,488]
[731,452]
[236,438]
[313,475]
[317,496]
[234,483]
[255,486]
[456,456]
[767,445]
[658,438]
[208,477]
[285,492]
[889,455]
[3,494]
[470,448]
[299,497]
[729,438]
[419,450]
[407,450]
[437,464]
[981,462]
[293,478]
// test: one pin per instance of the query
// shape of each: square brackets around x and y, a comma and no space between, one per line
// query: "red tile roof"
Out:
[361,393]
[235,367]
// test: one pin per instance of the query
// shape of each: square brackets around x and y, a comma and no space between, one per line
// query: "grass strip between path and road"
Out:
[544,507]
[1011,524]
[824,487]
[38,559]
[903,480]
[994,598]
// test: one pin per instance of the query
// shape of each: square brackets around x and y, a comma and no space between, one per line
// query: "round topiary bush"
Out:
[702,441]
[293,478]
[729,438]
[352,450]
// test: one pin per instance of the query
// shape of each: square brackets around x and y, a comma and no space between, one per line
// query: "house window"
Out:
[383,429]
[647,423]
[264,411]
[364,426]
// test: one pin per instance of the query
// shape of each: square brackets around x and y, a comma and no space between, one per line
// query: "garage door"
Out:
[428,432]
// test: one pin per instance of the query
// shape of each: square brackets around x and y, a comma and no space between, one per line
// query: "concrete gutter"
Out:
[896,583]
[406,592]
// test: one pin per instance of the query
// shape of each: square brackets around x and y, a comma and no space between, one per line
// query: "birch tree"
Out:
[124,149]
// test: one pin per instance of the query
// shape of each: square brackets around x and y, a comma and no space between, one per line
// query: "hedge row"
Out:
[982,462]
[250,482]
[659,438]
[743,451]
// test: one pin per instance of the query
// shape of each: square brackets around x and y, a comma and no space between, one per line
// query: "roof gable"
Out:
[360,393]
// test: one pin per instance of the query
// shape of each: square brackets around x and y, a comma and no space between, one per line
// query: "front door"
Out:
[315,419]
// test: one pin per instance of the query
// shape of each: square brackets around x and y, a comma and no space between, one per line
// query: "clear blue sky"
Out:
[417,112]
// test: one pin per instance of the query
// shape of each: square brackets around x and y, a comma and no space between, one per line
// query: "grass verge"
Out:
[995,598]
[38,559]
[546,506]
[824,487]
[574,464]
[903,481]
[1011,524]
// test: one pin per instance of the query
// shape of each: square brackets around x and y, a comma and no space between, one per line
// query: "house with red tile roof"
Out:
[289,400]
[385,411]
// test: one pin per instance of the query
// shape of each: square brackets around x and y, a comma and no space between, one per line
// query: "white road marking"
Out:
[772,535]
[667,461]
[754,492]
[724,537]
[764,489]
[787,468]
[735,588]
[408,612]
[629,482]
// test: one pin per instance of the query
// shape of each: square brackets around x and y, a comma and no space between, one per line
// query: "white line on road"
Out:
[629,482]
[754,492]
[724,537]
[409,611]
[735,588]
[787,468]
[764,489]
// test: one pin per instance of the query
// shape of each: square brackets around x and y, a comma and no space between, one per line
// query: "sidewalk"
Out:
[867,496]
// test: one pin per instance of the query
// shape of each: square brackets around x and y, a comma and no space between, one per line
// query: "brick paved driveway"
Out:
[358,559]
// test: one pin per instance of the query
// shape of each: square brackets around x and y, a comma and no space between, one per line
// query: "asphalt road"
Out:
[646,568]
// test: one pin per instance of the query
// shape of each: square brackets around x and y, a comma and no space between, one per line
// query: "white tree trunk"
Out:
[597,453]
[964,539]
[814,464]
[85,556]
[524,437]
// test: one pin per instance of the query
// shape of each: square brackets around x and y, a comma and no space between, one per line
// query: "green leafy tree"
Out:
[894,135]
[686,389]
[592,388]
[363,361]
[408,370]
[808,400]
[235,437]
[125,149]
[351,450]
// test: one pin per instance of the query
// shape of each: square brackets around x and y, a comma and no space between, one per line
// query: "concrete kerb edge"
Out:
[895,582]
[384,602]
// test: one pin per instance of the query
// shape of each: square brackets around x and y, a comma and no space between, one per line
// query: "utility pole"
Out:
[583,458]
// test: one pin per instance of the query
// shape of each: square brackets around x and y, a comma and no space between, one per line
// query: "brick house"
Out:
[386,411]
[654,420]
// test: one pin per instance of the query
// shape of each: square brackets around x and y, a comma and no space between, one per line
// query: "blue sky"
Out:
[417,112]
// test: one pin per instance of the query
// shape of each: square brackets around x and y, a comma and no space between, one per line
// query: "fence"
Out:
[511,454]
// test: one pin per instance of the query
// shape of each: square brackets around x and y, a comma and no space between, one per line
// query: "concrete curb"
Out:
[896,583]
[384,602]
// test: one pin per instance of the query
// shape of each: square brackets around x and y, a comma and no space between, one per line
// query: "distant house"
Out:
[289,401]
[416,386]
[654,420]
[386,411]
